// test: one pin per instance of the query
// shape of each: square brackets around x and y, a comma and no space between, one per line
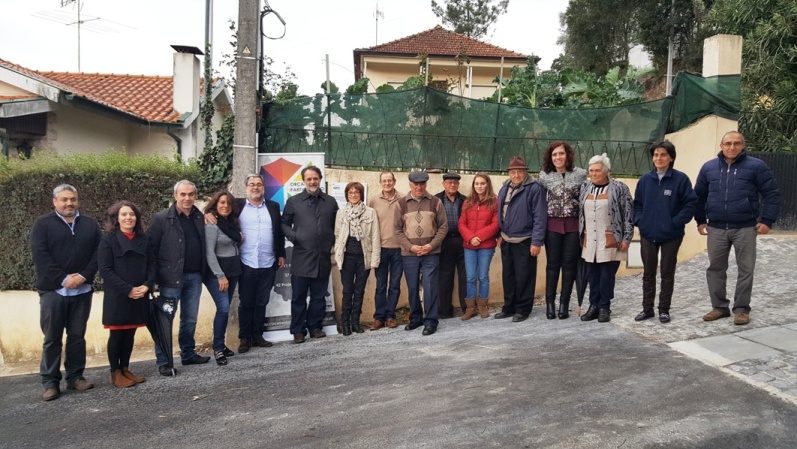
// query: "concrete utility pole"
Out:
[246,95]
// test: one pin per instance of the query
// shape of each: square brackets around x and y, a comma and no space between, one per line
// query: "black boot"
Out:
[345,323]
[550,310]
[604,316]
[564,308]
[591,314]
[355,324]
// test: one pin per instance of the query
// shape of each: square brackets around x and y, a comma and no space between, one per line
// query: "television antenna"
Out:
[79,23]
[377,14]
[78,18]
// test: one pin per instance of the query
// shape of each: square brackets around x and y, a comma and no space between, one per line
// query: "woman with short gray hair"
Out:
[606,226]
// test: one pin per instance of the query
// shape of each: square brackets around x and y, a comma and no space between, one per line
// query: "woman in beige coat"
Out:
[357,250]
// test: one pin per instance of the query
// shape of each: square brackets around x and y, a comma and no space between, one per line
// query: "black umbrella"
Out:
[581,281]
[161,315]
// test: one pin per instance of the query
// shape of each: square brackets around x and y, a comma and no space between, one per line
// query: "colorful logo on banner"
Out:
[276,176]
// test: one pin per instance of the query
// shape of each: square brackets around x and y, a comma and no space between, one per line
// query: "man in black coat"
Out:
[177,239]
[308,221]
[64,249]
[452,253]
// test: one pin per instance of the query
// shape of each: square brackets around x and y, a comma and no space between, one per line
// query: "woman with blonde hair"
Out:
[478,226]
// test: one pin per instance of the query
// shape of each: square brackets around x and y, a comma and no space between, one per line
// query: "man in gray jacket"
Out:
[308,222]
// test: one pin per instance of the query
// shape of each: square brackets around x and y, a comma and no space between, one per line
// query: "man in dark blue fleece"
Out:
[737,199]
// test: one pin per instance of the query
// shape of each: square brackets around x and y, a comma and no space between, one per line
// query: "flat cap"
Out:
[453,176]
[418,177]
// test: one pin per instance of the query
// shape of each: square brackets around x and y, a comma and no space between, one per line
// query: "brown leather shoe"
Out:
[318,333]
[298,338]
[391,323]
[119,380]
[261,342]
[244,346]
[80,385]
[741,318]
[716,314]
[137,379]
[51,394]
[376,325]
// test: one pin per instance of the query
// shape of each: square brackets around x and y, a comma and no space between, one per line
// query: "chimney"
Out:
[185,88]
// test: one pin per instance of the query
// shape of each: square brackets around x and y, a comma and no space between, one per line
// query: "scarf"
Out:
[354,214]
[229,229]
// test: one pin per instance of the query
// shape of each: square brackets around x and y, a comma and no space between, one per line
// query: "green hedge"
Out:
[26,190]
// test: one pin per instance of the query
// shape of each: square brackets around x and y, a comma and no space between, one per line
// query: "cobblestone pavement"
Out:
[764,352]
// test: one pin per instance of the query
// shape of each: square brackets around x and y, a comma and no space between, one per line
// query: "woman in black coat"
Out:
[128,272]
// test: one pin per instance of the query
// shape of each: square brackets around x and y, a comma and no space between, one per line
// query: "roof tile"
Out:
[145,97]
[441,42]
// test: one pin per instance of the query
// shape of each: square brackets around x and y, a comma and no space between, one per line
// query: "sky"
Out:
[133,37]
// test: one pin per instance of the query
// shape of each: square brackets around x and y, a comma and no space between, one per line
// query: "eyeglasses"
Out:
[732,144]
[252,186]
[353,193]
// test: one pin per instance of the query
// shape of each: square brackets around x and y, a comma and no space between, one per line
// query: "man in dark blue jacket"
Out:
[522,219]
[664,203]
[737,198]
[64,249]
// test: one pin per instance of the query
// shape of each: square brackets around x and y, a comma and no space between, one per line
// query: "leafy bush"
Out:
[101,179]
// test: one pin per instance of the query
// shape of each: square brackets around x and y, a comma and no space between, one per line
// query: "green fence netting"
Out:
[429,129]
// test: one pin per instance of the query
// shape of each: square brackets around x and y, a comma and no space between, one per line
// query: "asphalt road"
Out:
[481,383]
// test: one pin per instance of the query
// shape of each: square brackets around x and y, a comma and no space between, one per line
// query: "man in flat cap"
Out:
[421,225]
[452,253]
[522,219]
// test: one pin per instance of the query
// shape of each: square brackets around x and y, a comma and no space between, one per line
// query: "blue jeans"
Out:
[386,298]
[477,267]
[188,295]
[425,268]
[222,300]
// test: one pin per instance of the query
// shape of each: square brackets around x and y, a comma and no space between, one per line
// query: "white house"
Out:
[90,112]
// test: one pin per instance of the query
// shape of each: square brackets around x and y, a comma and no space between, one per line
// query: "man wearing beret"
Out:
[522,219]
[452,253]
[421,225]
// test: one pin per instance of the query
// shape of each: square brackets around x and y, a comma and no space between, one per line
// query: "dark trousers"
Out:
[519,277]
[601,277]
[254,291]
[304,316]
[353,276]
[562,252]
[650,259]
[120,348]
[452,258]
[424,269]
[59,314]
[387,293]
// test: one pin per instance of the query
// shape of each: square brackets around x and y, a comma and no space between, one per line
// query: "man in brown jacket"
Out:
[387,290]
[421,225]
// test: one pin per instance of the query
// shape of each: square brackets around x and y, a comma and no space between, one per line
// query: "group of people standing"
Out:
[580,217]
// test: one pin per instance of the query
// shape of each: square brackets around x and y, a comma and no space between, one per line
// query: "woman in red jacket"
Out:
[478,225]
